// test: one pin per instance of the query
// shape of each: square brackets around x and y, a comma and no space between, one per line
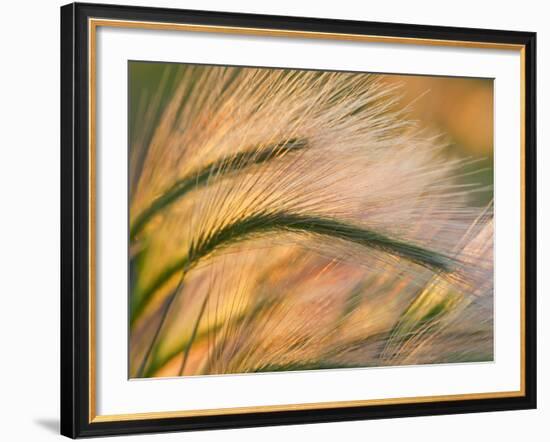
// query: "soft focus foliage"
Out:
[290,220]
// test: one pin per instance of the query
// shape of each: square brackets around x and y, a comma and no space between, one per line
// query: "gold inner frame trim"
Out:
[93,24]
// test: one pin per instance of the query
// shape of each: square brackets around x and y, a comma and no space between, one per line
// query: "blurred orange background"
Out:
[461,110]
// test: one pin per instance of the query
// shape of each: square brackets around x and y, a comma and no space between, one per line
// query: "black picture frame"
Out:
[75,220]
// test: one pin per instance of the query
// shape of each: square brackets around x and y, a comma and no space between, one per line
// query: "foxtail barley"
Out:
[286,220]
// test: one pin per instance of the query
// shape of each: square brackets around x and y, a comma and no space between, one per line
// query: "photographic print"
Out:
[271,220]
[286,220]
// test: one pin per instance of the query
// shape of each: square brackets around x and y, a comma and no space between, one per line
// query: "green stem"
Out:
[193,336]
[164,315]
[212,171]
[278,222]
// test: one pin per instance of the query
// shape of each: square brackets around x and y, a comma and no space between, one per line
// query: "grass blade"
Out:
[212,171]
[288,222]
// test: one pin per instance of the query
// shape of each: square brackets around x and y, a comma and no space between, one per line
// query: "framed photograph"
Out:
[275,220]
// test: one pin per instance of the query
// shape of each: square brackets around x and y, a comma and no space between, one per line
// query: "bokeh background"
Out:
[462,110]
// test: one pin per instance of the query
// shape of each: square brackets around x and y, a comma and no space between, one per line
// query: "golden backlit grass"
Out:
[289,220]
